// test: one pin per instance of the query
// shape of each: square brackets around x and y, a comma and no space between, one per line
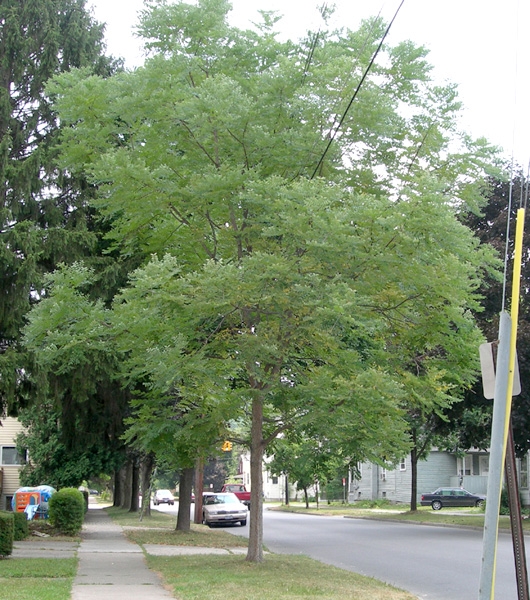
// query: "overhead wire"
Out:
[356,92]
[512,172]
[309,60]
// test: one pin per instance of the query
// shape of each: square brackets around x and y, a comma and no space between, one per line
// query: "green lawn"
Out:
[459,517]
[284,577]
[32,578]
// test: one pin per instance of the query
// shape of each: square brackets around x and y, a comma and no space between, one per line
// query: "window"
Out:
[466,464]
[403,464]
[10,456]
[275,480]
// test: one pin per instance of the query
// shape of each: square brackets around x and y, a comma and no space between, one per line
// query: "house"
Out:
[10,461]
[273,485]
[440,469]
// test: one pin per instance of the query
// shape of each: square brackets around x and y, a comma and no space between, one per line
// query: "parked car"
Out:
[163,496]
[223,508]
[451,497]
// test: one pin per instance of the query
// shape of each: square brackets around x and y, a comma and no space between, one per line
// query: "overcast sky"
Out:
[478,44]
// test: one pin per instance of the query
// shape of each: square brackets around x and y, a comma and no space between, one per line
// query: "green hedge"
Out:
[21,526]
[67,510]
[7,528]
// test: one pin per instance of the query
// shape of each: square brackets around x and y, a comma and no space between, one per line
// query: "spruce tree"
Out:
[43,210]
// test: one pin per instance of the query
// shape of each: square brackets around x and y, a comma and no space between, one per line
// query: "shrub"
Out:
[67,510]
[7,528]
[85,498]
[21,529]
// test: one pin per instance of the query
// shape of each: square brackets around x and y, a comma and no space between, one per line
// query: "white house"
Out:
[273,486]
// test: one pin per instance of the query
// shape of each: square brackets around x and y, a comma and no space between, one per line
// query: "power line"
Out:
[357,89]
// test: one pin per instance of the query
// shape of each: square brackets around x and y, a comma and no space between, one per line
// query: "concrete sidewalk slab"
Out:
[110,566]
[43,548]
[159,550]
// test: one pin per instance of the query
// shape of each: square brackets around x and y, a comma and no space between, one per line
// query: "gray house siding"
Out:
[436,471]
[395,484]
[441,469]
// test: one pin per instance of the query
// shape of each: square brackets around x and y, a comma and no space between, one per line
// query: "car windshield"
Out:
[221,499]
[164,493]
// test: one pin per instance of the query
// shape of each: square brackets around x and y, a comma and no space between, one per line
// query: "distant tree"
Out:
[215,474]
[310,464]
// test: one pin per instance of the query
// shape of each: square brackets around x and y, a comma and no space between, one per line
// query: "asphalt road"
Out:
[433,563]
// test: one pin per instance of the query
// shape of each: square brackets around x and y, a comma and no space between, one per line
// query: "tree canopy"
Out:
[279,289]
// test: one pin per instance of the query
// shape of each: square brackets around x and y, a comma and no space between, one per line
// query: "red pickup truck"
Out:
[239,490]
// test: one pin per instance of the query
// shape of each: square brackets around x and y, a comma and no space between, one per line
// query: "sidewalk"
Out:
[110,566]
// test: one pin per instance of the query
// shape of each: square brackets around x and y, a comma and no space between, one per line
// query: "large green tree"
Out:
[289,285]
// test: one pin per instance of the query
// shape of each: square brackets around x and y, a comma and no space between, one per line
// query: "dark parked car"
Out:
[451,497]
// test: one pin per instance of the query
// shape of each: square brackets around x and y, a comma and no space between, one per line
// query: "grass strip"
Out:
[159,528]
[200,535]
[42,578]
[458,517]
[279,577]
[32,588]
[47,568]
[158,519]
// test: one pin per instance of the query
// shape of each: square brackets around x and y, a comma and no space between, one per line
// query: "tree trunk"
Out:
[255,540]
[306,497]
[135,485]
[286,489]
[117,492]
[126,475]
[146,473]
[185,485]
[414,475]
[199,488]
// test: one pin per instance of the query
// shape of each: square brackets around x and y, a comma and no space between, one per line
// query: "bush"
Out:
[67,510]
[21,530]
[7,529]
[85,498]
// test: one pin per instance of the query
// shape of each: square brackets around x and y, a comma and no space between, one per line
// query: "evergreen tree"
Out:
[44,217]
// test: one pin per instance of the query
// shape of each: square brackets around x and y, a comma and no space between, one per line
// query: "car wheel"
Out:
[436,505]
[479,503]
[243,523]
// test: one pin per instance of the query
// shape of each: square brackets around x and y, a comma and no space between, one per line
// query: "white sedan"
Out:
[223,508]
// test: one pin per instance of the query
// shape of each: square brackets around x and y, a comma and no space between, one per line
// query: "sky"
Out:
[478,44]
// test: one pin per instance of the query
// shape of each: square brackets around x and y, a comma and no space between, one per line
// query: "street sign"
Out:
[488,359]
